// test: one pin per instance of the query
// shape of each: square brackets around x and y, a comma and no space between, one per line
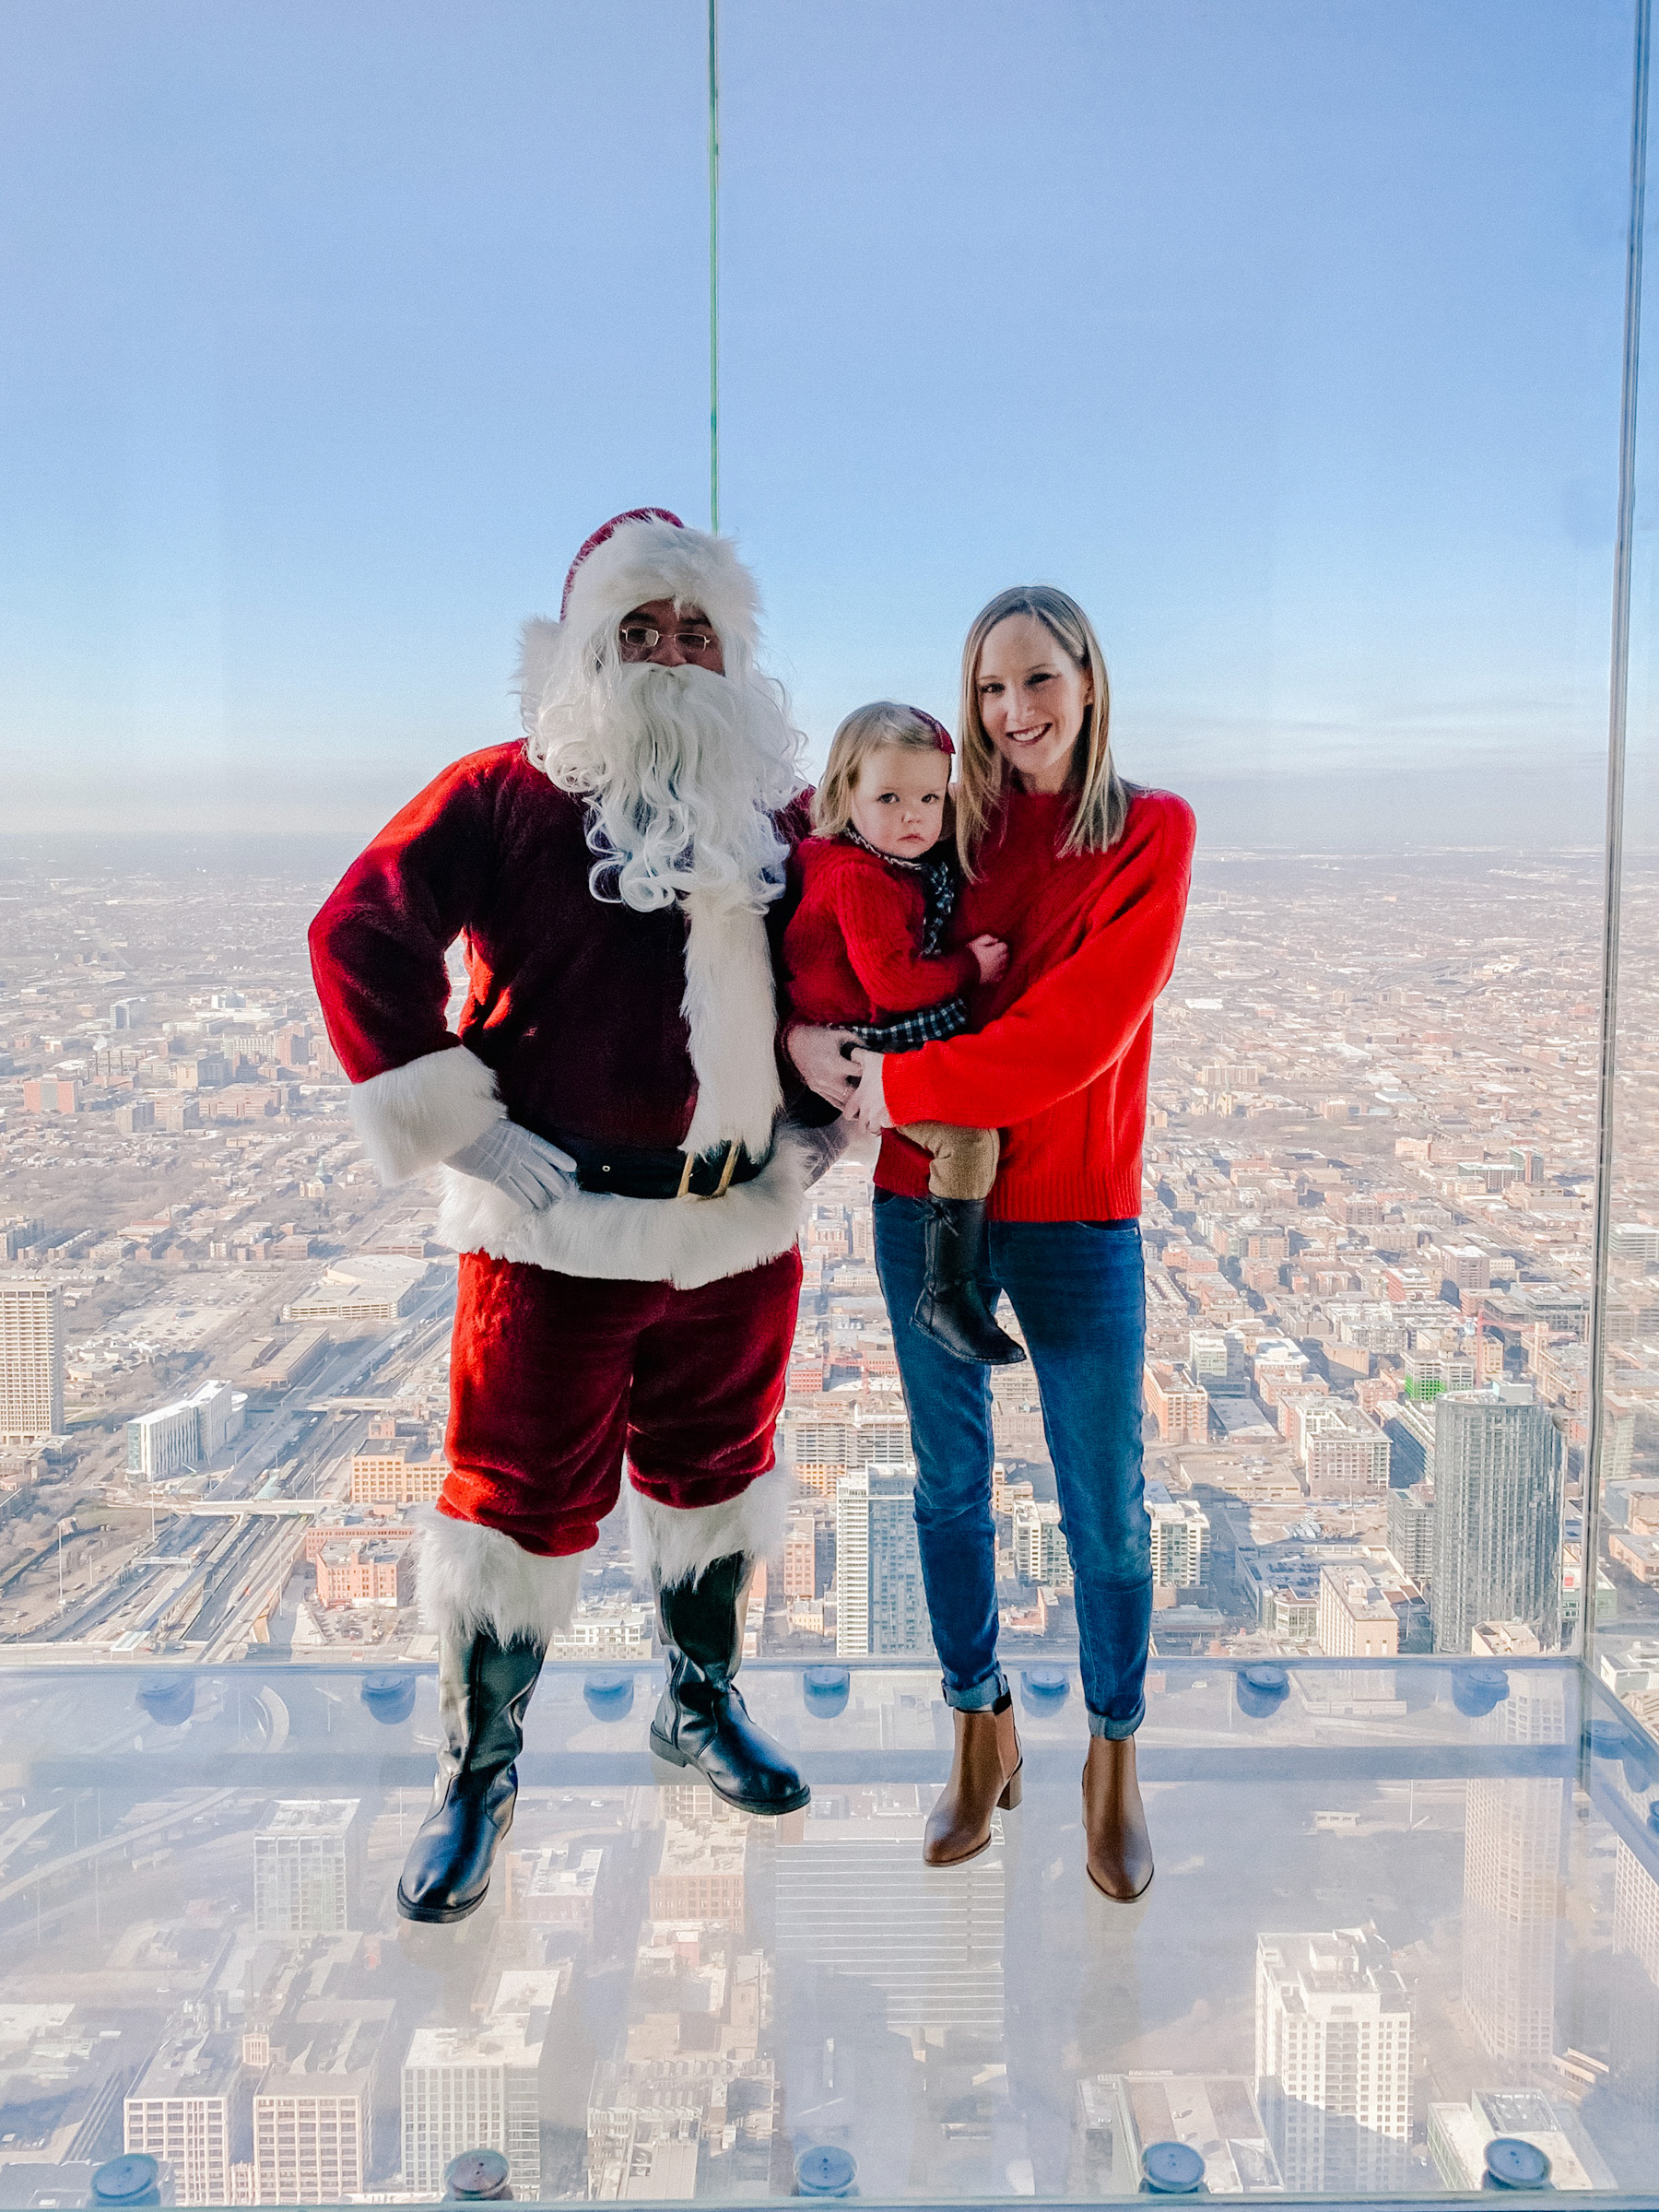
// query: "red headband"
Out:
[592,545]
[941,734]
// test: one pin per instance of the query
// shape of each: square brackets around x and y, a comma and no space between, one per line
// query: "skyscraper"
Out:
[1334,2058]
[1496,1513]
[187,2107]
[301,1867]
[879,1603]
[1513,1861]
[476,2089]
[31,1361]
[856,1903]
[313,2117]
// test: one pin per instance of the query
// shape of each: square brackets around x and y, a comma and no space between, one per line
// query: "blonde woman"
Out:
[1086,880]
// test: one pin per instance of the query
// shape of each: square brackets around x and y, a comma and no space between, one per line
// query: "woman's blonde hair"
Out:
[1102,797]
[883,722]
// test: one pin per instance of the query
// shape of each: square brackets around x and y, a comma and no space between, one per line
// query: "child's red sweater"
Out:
[852,951]
[1060,1058]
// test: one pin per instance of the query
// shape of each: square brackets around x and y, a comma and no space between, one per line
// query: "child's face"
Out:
[898,799]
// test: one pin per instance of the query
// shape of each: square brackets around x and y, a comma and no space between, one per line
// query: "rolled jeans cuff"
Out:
[982,1696]
[1101,1723]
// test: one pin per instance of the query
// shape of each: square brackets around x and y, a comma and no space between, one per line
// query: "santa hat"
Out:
[644,554]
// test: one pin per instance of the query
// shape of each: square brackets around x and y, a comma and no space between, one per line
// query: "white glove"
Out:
[518,1161]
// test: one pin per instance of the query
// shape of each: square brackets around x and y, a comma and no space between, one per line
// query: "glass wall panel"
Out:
[1288,339]
[331,333]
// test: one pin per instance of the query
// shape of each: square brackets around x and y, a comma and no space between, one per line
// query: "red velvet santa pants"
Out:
[554,1377]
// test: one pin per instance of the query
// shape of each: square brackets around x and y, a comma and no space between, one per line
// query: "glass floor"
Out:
[1401,1912]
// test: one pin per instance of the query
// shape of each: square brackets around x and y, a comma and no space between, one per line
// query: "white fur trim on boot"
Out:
[412,1117]
[732,1016]
[672,1544]
[470,1578]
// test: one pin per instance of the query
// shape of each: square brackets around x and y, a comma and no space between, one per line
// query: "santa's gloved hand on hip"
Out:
[516,1161]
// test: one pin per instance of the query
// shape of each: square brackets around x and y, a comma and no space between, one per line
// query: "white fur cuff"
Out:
[471,1578]
[412,1117]
[674,1544]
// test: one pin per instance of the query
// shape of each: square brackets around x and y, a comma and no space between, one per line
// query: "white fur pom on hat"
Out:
[644,554]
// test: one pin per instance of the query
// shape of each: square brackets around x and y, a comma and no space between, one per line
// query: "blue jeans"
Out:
[1079,1290]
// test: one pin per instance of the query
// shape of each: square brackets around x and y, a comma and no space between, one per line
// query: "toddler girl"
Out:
[862,952]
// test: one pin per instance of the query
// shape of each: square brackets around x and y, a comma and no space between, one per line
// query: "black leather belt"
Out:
[657,1171]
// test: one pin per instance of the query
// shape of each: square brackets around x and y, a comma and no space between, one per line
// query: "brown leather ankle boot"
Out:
[984,1776]
[1119,1850]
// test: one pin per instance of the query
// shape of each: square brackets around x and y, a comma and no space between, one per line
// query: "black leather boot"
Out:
[951,1308]
[483,1691]
[702,1720]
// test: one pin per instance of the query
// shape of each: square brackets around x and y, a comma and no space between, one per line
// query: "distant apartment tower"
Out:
[185,2108]
[1356,1621]
[1498,1515]
[1181,1538]
[855,1903]
[188,1433]
[1216,1360]
[303,1861]
[1344,1455]
[1411,1530]
[31,1362]
[880,1609]
[800,1557]
[1513,1852]
[1334,2058]
[1041,1554]
[1179,1404]
[313,2118]
[476,2089]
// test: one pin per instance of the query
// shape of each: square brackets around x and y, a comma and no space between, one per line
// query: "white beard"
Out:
[682,770]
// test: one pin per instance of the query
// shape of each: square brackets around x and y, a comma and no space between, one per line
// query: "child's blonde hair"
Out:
[883,722]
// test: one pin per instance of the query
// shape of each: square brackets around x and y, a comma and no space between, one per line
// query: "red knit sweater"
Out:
[852,951]
[1059,1061]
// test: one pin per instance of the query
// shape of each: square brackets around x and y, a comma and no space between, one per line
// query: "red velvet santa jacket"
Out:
[1060,1057]
[852,951]
[580,1015]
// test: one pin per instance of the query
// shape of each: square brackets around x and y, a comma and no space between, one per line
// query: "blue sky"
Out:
[1285,335]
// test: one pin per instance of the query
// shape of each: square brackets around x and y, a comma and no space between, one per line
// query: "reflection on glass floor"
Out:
[1398,1912]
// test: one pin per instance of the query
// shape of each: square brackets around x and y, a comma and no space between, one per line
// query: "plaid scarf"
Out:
[926,1025]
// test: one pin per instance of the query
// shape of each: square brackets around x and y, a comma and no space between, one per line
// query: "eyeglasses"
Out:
[636,637]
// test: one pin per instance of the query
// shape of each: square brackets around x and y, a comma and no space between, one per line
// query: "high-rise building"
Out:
[880,1608]
[1635,2048]
[1334,2058]
[188,2107]
[1179,1404]
[31,1362]
[1039,1548]
[1411,1530]
[1181,1538]
[302,1864]
[313,2117]
[1497,1514]
[1216,1359]
[1512,1860]
[854,1902]
[476,2089]
[1356,1619]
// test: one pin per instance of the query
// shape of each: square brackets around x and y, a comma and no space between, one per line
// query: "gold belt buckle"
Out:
[728,1169]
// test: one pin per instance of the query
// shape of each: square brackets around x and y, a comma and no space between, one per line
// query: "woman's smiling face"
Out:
[1032,699]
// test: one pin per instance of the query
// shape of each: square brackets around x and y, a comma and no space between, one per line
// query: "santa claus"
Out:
[617,1175]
